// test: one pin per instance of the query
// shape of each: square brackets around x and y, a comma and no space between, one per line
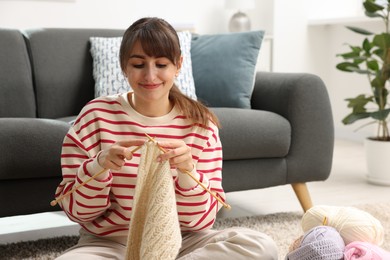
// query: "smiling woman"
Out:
[108,127]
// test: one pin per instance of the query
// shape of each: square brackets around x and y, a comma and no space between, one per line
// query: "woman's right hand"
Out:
[114,156]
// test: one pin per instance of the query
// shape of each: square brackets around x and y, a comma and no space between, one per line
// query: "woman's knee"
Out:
[260,245]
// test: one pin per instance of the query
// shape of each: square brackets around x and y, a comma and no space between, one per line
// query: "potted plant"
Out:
[372,59]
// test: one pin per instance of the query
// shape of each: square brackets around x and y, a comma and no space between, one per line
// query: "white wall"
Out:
[290,36]
[207,16]
[307,36]
[328,29]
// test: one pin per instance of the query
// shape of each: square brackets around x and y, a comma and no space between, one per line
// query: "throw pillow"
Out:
[108,75]
[224,67]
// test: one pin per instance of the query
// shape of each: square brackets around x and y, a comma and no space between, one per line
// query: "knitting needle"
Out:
[227,206]
[54,202]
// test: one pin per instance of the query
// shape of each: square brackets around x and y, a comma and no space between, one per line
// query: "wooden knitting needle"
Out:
[227,206]
[54,202]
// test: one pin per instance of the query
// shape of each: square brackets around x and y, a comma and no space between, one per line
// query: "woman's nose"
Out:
[150,73]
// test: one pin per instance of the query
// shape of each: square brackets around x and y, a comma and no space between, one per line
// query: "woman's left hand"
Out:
[178,154]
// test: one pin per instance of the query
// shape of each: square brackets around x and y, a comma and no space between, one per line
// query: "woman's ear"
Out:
[178,65]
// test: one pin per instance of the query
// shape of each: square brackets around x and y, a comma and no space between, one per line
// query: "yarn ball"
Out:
[353,224]
[364,250]
[319,243]
[295,244]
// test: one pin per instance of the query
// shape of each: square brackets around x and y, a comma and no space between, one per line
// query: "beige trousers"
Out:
[232,243]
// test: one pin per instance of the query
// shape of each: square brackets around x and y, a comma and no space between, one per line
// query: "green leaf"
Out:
[372,7]
[349,55]
[382,40]
[378,52]
[358,103]
[352,118]
[380,114]
[373,15]
[373,65]
[377,82]
[359,30]
[360,71]
[346,66]
[367,45]
[356,49]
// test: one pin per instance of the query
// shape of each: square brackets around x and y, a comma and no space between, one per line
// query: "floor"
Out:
[346,186]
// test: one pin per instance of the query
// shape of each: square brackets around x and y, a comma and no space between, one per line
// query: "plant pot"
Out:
[378,161]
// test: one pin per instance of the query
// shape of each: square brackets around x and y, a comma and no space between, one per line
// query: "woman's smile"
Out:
[150,85]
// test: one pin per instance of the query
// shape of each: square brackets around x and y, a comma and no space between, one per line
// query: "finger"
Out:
[126,147]
[178,161]
[115,165]
[130,143]
[182,161]
[183,151]
[171,145]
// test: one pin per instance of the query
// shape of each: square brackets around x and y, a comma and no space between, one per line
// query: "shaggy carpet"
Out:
[284,228]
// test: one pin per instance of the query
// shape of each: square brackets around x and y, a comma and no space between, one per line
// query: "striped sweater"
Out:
[104,207]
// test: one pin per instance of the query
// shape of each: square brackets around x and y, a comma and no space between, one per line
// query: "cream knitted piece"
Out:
[154,231]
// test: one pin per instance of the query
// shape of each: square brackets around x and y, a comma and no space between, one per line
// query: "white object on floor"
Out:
[36,226]
[378,163]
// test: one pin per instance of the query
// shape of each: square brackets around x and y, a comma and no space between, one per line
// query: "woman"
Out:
[109,128]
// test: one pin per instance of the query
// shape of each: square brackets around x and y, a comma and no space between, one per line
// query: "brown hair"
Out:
[159,39]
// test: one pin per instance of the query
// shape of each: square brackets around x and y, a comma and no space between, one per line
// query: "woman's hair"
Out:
[159,39]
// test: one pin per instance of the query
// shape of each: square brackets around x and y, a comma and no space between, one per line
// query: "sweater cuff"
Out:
[184,182]
[93,167]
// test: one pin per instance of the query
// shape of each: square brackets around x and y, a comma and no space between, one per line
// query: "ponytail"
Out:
[192,109]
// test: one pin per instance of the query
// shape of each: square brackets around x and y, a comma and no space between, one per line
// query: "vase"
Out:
[378,161]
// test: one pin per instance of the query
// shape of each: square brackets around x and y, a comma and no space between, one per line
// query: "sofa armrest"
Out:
[30,164]
[303,100]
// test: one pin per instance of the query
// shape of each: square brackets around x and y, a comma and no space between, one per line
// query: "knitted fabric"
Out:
[154,231]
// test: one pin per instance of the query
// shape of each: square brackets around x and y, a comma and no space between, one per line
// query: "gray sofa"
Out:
[46,78]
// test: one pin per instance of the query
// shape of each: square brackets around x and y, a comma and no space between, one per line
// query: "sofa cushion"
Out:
[17,92]
[224,67]
[250,134]
[62,66]
[33,148]
[108,75]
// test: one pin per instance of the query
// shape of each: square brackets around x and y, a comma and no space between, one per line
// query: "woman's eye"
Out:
[138,66]
[161,65]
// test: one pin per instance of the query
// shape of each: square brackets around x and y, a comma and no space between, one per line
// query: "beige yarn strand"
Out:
[154,231]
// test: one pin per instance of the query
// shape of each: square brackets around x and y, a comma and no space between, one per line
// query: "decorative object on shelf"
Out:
[372,58]
[239,22]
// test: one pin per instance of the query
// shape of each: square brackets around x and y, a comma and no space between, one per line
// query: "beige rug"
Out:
[282,227]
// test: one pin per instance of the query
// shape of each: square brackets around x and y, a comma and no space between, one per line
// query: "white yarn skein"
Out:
[352,224]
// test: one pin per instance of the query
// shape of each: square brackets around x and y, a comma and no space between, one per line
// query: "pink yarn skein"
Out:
[364,251]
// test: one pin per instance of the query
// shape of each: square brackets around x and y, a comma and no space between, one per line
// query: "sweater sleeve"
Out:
[79,163]
[197,208]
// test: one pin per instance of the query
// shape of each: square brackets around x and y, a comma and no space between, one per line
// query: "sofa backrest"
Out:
[16,84]
[62,66]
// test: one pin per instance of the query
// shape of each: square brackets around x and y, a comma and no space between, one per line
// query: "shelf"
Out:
[341,20]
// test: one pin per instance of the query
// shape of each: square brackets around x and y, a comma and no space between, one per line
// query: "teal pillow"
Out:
[224,66]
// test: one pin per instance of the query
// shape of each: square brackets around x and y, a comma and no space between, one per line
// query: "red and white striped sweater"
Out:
[104,207]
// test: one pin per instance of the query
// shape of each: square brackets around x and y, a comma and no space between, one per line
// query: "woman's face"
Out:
[151,78]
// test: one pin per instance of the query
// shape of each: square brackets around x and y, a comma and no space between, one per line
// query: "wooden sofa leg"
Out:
[303,195]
